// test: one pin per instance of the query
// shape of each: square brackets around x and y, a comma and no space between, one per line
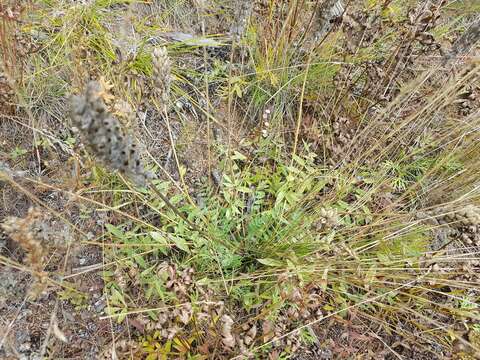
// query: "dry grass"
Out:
[242,179]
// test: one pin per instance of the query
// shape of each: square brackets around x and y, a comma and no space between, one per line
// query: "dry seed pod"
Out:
[7,95]
[227,337]
[162,77]
[25,232]
[103,134]
[328,219]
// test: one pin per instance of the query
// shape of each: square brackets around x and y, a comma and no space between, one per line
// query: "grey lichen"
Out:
[103,135]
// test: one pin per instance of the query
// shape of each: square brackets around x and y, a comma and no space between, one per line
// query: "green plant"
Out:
[334,147]
[77,299]
[18,152]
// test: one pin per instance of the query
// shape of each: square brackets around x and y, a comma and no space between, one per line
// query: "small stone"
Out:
[99,306]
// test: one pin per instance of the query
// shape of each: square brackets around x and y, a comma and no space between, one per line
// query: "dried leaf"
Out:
[228,338]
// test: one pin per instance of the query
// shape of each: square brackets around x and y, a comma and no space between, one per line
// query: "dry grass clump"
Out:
[26,233]
[9,53]
[288,241]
